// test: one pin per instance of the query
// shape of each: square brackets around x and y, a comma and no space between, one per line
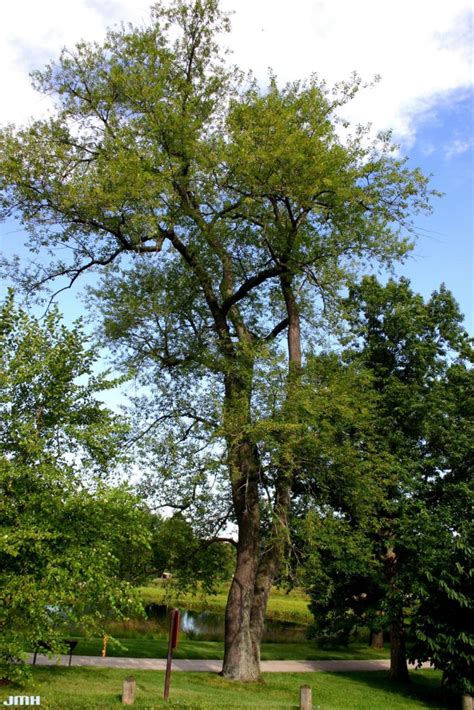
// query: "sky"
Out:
[423,50]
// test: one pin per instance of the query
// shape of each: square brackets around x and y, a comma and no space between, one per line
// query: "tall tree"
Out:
[413,349]
[65,535]
[226,216]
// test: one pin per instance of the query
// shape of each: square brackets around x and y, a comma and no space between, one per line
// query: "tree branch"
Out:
[76,273]
[279,328]
[208,543]
[251,283]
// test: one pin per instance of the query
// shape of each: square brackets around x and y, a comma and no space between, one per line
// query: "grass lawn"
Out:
[81,688]
[281,606]
[300,651]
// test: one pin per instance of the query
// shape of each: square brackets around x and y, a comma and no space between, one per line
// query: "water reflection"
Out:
[209,626]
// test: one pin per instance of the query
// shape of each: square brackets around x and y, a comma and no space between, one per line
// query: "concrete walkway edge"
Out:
[215,666]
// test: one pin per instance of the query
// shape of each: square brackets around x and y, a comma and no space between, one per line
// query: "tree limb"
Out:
[279,328]
[251,283]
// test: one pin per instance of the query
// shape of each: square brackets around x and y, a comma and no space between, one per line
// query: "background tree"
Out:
[418,358]
[345,574]
[177,550]
[412,348]
[65,535]
[442,623]
[235,213]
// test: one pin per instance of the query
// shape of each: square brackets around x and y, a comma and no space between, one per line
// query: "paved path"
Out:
[211,666]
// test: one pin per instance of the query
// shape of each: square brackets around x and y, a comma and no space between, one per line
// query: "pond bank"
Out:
[209,626]
[292,607]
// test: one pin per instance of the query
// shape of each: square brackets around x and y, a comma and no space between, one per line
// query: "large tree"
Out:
[228,216]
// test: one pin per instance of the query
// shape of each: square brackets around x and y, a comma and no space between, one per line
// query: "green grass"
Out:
[91,688]
[151,648]
[281,606]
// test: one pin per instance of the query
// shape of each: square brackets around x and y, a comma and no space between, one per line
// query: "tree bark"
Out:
[294,327]
[241,655]
[376,639]
[398,660]
[268,567]
[249,593]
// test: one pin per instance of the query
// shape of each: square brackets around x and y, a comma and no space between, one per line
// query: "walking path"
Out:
[215,666]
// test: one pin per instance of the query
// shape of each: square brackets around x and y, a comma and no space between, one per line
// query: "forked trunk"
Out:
[245,617]
[255,568]
[241,653]
[398,659]
[248,597]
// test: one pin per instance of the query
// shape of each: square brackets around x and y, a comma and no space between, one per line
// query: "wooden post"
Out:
[172,643]
[128,691]
[306,702]
[467,703]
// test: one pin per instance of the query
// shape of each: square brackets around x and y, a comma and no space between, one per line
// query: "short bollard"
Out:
[467,703]
[306,702]
[128,691]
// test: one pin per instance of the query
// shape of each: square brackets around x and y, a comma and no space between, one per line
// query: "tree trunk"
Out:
[255,569]
[398,660]
[241,654]
[376,639]
[244,630]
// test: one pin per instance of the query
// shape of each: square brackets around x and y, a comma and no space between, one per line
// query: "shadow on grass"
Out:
[424,686]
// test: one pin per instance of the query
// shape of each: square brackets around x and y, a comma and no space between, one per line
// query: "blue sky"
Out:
[445,247]
[423,50]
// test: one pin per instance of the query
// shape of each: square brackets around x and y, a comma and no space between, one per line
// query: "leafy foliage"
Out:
[442,625]
[177,549]
[405,559]
[67,539]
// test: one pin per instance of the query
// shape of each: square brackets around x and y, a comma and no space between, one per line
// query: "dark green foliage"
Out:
[442,624]
[177,550]
[405,559]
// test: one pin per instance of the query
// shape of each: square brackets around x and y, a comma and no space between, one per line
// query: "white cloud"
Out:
[420,47]
[416,45]
[457,147]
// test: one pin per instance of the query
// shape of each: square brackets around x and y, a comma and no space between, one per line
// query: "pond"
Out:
[209,626]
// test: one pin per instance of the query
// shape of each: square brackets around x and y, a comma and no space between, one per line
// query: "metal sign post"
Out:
[172,643]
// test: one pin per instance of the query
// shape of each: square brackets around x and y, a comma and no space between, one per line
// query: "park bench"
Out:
[43,646]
